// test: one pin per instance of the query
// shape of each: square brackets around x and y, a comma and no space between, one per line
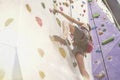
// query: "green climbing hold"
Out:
[96,15]
[89,0]
[107,40]
[58,21]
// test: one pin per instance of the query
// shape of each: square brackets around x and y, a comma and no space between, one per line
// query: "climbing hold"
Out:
[84,11]
[99,28]
[100,33]
[74,64]
[28,8]
[65,4]
[83,2]
[54,1]
[59,3]
[50,10]
[93,28]
[100,75]
[109,58]
[97,62]
[107,40]
[56,4]
[78,19]
[98,51]
[89,0]
[8,21]
[102,25]
[62,52]
[72,6]
[82,5]
[42,75]
[104,30]
[39,21]
[2,74]
[104,18]
[58,21]
[71,1]
[82,15]
[61,8]
[119,44]
[96,15]
[43,5]
[41,52]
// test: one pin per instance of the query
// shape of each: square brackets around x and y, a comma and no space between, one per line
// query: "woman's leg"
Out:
[80,61]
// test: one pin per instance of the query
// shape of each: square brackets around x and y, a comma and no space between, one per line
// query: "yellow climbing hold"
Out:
[28,7]
[62,52]
[8,21]
[42,75]
[58,21]
[41,52]
[2,74]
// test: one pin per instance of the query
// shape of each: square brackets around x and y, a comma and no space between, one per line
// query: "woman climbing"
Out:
[82,41]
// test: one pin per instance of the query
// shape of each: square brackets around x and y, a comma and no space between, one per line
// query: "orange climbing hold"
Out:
[39,21]
[100,33]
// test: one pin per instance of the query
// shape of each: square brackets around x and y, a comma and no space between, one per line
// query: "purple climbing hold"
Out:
[61,8]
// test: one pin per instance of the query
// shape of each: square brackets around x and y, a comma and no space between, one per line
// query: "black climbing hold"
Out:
[102,25]
[104,30]
[72,6]
[119,44]
[54,1]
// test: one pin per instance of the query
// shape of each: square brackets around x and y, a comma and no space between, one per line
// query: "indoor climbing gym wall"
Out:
[9,63]
[41,58]
[29,52]
[106,37]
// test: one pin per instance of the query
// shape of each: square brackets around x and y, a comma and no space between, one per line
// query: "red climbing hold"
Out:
[39,21]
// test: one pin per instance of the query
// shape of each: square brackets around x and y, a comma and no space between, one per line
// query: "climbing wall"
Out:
[9,18]
[106,37]
[28,52]
[40,57]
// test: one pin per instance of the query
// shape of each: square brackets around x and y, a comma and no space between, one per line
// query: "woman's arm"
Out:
[69,18]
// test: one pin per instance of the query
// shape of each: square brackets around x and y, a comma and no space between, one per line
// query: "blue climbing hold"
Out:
[98,51]
[93,27]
